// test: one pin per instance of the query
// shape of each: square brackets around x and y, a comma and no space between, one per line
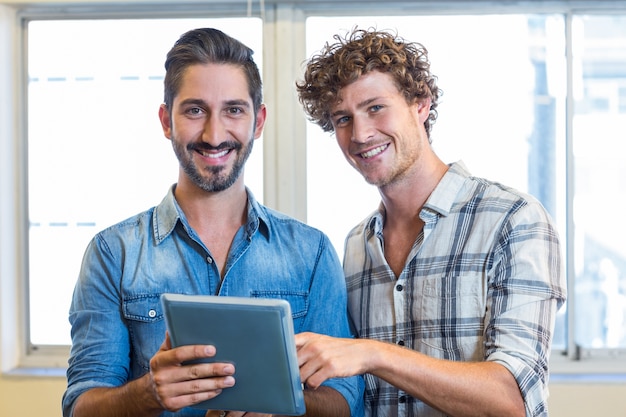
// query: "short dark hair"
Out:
[358,53]
[207,45]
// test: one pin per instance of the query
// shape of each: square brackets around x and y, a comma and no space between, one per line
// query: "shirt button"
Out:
[402,399]
[152,313]
[399,287]
[209,259]
[400,342]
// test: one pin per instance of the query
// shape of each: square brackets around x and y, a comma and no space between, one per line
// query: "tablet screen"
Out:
[256,335]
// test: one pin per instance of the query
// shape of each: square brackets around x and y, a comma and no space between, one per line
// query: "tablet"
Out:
[256,335]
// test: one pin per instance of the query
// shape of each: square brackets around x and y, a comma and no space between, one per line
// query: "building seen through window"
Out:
[503,112]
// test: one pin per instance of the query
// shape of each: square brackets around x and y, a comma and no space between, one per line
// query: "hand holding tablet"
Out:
[254,334]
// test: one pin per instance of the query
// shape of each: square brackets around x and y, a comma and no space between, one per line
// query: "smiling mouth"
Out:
[214,155]
[373,152]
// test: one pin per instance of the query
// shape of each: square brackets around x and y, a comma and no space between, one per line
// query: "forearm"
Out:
[133,399]
[325,402]
[455,388]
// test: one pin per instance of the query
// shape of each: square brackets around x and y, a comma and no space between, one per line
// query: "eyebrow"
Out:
[233,102]
[195,101]
[238,102]
[360,105]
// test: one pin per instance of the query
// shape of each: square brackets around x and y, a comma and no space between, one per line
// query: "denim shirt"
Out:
[116,316]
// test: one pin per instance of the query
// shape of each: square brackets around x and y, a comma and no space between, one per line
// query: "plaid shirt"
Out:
[483,282]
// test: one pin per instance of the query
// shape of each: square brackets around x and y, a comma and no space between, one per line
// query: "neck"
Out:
[209,210]
[404,199]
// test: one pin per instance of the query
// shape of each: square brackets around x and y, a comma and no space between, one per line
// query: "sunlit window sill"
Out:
[591,378]
[35,373]
[555,378]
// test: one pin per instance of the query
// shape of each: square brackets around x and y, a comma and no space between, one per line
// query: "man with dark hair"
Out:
[208,236]
[454,281]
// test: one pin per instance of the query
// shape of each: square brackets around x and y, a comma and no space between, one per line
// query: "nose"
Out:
[214,131]
[362,130]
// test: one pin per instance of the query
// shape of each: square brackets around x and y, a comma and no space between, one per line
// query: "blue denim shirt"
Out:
[116,316]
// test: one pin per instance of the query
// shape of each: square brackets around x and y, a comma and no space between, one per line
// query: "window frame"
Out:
[284,161]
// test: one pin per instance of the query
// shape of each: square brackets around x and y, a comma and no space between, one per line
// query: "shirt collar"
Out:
[441,199]
[444,195]
[168,213]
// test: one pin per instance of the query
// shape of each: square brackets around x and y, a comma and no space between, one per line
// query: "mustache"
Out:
[202,146]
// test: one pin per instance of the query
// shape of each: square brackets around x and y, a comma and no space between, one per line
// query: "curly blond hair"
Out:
[358,53]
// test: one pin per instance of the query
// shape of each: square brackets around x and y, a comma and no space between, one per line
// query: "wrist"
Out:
[144,393]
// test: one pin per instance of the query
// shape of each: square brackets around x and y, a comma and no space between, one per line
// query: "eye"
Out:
[234,110]
[375,108]
[342,120]
[194,111]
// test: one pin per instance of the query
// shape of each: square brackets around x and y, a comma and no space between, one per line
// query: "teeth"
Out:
[215,155]
[373,152]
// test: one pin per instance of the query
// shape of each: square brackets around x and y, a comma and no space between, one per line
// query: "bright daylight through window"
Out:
[96,151]
[598,128]
[503,114]
[97,155]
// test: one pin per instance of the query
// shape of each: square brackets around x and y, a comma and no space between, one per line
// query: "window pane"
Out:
[599,126]
[96,151]
[502,112]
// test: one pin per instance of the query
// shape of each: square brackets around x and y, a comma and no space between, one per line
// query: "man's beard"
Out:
[216,179]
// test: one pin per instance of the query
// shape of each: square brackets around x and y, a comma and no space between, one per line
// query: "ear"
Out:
[166,121]
[261,115]
[423,109]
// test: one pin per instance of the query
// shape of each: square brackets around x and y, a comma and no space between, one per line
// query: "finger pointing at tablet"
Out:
[322,357]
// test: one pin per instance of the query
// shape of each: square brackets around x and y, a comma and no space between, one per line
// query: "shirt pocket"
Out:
[452,311]
[298,302]
[146,327]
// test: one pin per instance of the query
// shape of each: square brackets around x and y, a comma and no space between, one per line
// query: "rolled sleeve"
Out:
[100,343]
[527,291]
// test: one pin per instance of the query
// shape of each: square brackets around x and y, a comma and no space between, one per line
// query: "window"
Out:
[500,111]
[96,151]
[599,123]
[534,99]
[503,112]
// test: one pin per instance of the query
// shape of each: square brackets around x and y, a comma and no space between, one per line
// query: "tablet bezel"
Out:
[256,334]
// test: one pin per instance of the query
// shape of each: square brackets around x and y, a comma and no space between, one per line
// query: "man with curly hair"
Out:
[454,281]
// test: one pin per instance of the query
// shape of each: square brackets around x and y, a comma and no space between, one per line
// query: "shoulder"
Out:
[136,227]
[287,227]
[497,197]
[295,241]
[482,195]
